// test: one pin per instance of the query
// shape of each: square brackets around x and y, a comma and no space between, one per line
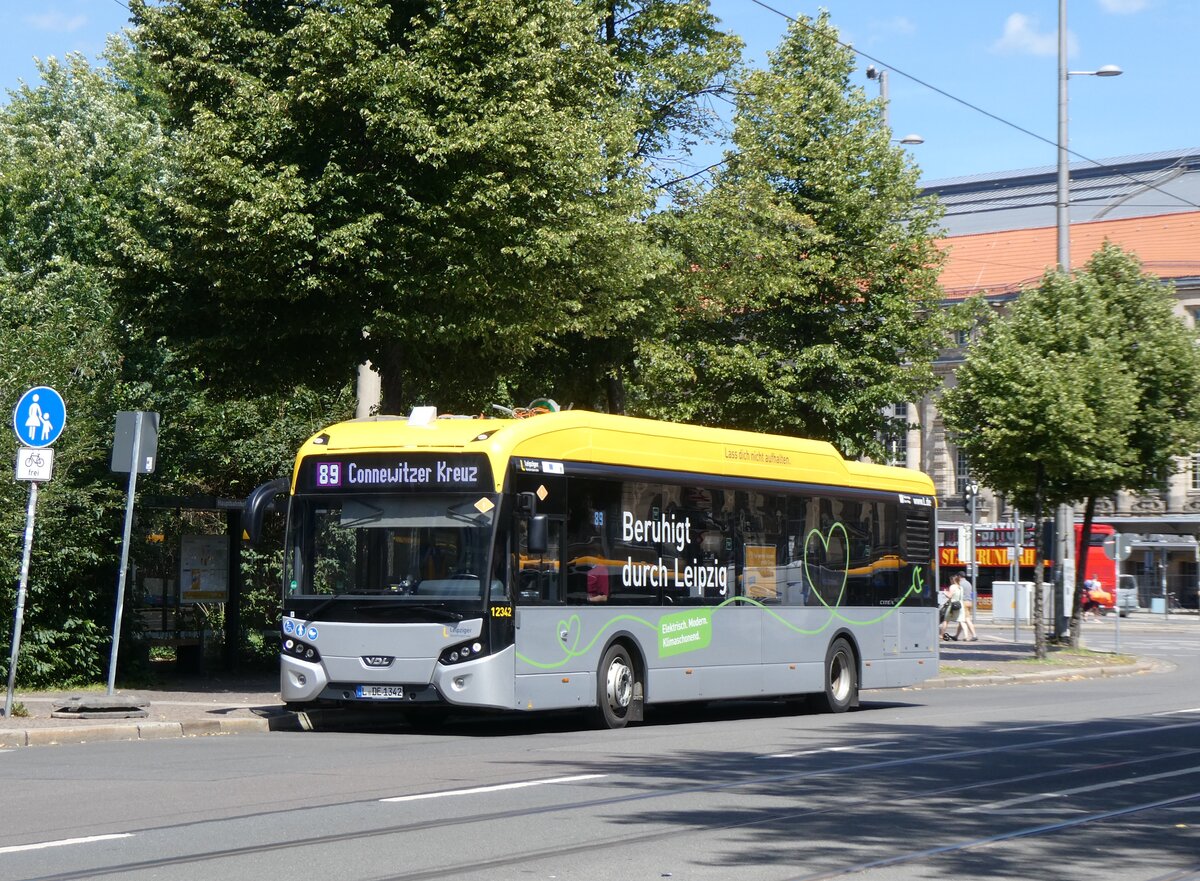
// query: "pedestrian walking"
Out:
[966,621]
[955,614]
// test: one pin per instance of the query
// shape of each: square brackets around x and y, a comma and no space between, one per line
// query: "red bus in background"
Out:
[1093,561]
[992,555]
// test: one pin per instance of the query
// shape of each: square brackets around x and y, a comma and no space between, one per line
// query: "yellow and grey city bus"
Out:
[583,560]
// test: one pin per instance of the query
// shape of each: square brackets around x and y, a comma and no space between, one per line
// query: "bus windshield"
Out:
[412,548]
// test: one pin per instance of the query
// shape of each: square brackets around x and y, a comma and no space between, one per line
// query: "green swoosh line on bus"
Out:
[574,628]
[914,588]
[784,621]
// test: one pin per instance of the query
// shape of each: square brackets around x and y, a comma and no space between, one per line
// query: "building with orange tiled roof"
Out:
[1001,238]
[1005,261]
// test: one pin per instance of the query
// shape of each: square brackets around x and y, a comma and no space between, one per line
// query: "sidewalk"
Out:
[221,704]
[231,704]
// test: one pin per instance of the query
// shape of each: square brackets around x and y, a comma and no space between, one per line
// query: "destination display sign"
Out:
[395,472]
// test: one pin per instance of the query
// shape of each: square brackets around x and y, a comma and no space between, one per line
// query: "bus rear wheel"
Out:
[841,679]
[616,686]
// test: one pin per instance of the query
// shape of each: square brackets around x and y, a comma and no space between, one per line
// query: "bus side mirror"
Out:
[539,535]
[258,503]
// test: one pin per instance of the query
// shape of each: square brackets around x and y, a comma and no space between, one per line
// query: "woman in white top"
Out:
[956,614]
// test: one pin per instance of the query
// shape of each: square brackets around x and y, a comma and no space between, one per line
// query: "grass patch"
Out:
[948,670]
[1064,656]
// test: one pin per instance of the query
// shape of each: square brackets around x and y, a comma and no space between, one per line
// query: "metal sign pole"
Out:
[133,471]
[1117,606]
[1018,547]
[19,615]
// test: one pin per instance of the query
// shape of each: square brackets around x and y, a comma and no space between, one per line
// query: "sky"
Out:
[999,55]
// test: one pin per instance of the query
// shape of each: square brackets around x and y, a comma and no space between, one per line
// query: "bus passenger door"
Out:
[538,578]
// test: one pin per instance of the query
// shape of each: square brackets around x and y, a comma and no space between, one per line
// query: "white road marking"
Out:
[1031,727]
[497,788]
[1000,805]
[1177,712]
[830,749]
[64,842]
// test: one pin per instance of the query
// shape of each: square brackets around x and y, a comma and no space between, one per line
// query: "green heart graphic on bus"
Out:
[826,574]
[569,633]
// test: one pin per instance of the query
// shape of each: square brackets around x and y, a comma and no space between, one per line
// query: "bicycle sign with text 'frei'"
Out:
[39,417]
[34,464]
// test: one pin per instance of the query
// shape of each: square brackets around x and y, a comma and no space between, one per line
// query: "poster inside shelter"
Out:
[204,569]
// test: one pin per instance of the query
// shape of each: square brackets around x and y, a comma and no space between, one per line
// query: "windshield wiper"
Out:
[401,606]
[311,614]
[479,518]
[359,514]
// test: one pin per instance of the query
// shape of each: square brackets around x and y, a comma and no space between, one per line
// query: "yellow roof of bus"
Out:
[602,438]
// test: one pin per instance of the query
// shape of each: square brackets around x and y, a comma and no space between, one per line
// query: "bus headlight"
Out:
[462,652]
[302,650]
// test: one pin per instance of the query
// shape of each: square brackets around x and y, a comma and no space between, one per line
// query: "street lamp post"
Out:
[1018,547]
[1065,515]
[880,74]
[973,564]
[1062,204]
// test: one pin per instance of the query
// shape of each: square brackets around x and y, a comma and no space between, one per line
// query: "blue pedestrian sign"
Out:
[39,417]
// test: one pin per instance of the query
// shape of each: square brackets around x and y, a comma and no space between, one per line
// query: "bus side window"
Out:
[539,579]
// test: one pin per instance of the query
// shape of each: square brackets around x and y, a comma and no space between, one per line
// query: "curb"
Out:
[284,720]
[57,735]
[967,681]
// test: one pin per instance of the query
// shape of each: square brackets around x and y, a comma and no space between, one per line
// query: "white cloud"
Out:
[1124,7]
[56,21]
[1021,37]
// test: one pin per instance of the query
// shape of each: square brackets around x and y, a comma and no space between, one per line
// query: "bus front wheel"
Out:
[841,679]
[616,685]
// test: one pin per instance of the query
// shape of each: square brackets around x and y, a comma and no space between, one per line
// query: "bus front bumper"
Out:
[483,682]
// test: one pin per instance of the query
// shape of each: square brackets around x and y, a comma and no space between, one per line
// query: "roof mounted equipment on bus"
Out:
[536,407]
[422,415]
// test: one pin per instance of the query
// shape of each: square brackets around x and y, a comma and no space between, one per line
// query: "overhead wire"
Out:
[955,98]
[977,108]
[931,87]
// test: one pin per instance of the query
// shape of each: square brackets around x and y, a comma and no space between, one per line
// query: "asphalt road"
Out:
[1075,779]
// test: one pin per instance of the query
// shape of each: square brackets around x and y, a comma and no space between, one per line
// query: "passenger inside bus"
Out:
[597,584]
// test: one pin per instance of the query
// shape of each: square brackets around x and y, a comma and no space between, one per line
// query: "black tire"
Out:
[841,679]
[616,684]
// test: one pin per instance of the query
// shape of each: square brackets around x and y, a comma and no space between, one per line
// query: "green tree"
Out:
[1060,400]
[808,269]
[79,155]
[1159,352]
[438,188]
[671,64]
[75,155]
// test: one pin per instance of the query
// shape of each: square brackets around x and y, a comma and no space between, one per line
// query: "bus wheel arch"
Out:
[620,683]
[841,675]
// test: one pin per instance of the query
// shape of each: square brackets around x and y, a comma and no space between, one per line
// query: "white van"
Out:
[1127,594]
